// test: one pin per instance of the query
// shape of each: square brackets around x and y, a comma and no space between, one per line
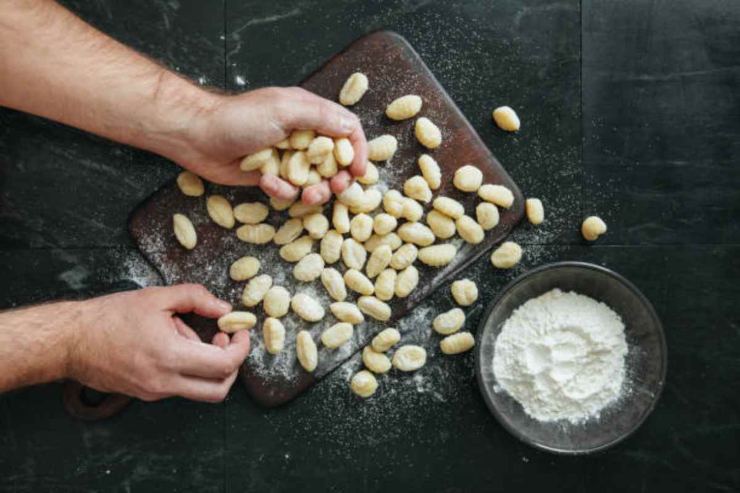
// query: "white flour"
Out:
[561,355]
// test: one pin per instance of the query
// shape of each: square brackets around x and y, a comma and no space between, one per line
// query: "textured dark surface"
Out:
[658,127]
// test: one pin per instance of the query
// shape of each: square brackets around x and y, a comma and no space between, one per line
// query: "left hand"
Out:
[235,126]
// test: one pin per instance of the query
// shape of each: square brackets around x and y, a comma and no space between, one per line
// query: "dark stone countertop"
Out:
[630,110]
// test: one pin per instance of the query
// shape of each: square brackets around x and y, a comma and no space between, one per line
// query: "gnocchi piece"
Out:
[283,144]
[506,118]
[347,312]
[220,211]
[464,291]
[255,290]
[375,362]
[385,285]
[309,267]
[301,139]
[353,89]
[334,284]
[271,166]
[430,171]
[316,224]
[487,215]
[296,249]
[496,194]
[308,355]
[385,340]
[340,218]
[313,178]
[416,233]
[251,212]
[457,343]
[535,211]
[363,384]
[412,210]
[507,255]
[379,260]
[258,234]
[353,254]
[427,133]
[369,201]
[190,184]
[382,148]
[344,153]
[236,321]
[449,322]
[393,203]
[409,358]
[468,178]
[328,167]
[404,256]
[469,230]
[361,227]
[319,148]
[406,281]
[358,282]
[284,160]
[442,226]
[289,231]
[449,207]
[352,196]
[184,231]
[336,335]
[280,204]
[417,188]
[307,307]
[299,209]
[244,268]
[298,168]
[273,333]
[391,239]
[404,107]
[257,160]
[371,174]
[276,302]
[438,255]
[384,223]
[331,247]
[592,228]
[370,305]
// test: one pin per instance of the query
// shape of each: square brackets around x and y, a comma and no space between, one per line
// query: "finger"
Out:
[316,194]
[359,143]
[340,181]
[217,360]
[220,339]
[275,187]
[201,389]
[186,298]
[307,110]
[232,175]
[184,330]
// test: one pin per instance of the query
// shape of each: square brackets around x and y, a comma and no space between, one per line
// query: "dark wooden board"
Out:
[394,69]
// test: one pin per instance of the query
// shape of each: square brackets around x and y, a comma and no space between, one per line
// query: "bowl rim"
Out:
[497,301]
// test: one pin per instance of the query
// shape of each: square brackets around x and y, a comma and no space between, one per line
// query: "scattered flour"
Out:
[561,355]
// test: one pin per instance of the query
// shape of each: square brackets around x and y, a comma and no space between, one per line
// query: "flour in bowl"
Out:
[562,356]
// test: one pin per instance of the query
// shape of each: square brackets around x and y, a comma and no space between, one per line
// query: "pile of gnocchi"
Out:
[367,246]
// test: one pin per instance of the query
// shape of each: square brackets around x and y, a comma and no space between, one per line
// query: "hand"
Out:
[235,126]
[134,343]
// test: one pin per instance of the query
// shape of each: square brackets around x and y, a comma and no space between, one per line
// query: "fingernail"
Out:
[222,305]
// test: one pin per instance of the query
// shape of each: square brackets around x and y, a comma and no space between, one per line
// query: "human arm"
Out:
[55,65]
[131,343]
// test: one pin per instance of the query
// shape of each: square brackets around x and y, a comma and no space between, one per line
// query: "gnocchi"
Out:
[255,290]
[334,284]
[409,358]
[258,234]
[385,285]
[379,260]
[468,178]
[257,160]
[276,302]
[296,249]
[361,227]
[393,203]
[412,210]
[385,340]
[442,226]
[331,247]
[464,291]
[352,196]
[384,223]
[507,255]
[469,230]
[319,148]
[438,255]
[299,209]
[358,282]
[371,175]
[353,254]
[309,267]
[416,233]
[372,306]
[336,335]
[236,321]
[344,153]
[376,362]
[353,89]
[220,211]
[328,167]
[184,231]
[307,307]
[406,281]
[301,139]
[347,312]
[298,168]
[430,171]
[251,212]
[496,194]
[280,204]
[535,211]
[382,148]
[316,224]
[592,228]
[449,322]
[190,184]
[404,107]
[369,201]
[289,231]
[391,239]
[427,133]
[487,215]
[340,218]
[308,355]
[244,268]
[364,384]
[273,333]
[404,256]
[457,343]
[417,188]
[506,118]
[449,207]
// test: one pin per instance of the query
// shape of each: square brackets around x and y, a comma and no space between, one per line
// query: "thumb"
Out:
[186,298]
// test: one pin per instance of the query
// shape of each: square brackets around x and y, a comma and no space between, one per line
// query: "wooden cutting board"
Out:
[394,69]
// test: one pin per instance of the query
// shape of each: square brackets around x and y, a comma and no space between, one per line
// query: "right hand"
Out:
[135,344]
